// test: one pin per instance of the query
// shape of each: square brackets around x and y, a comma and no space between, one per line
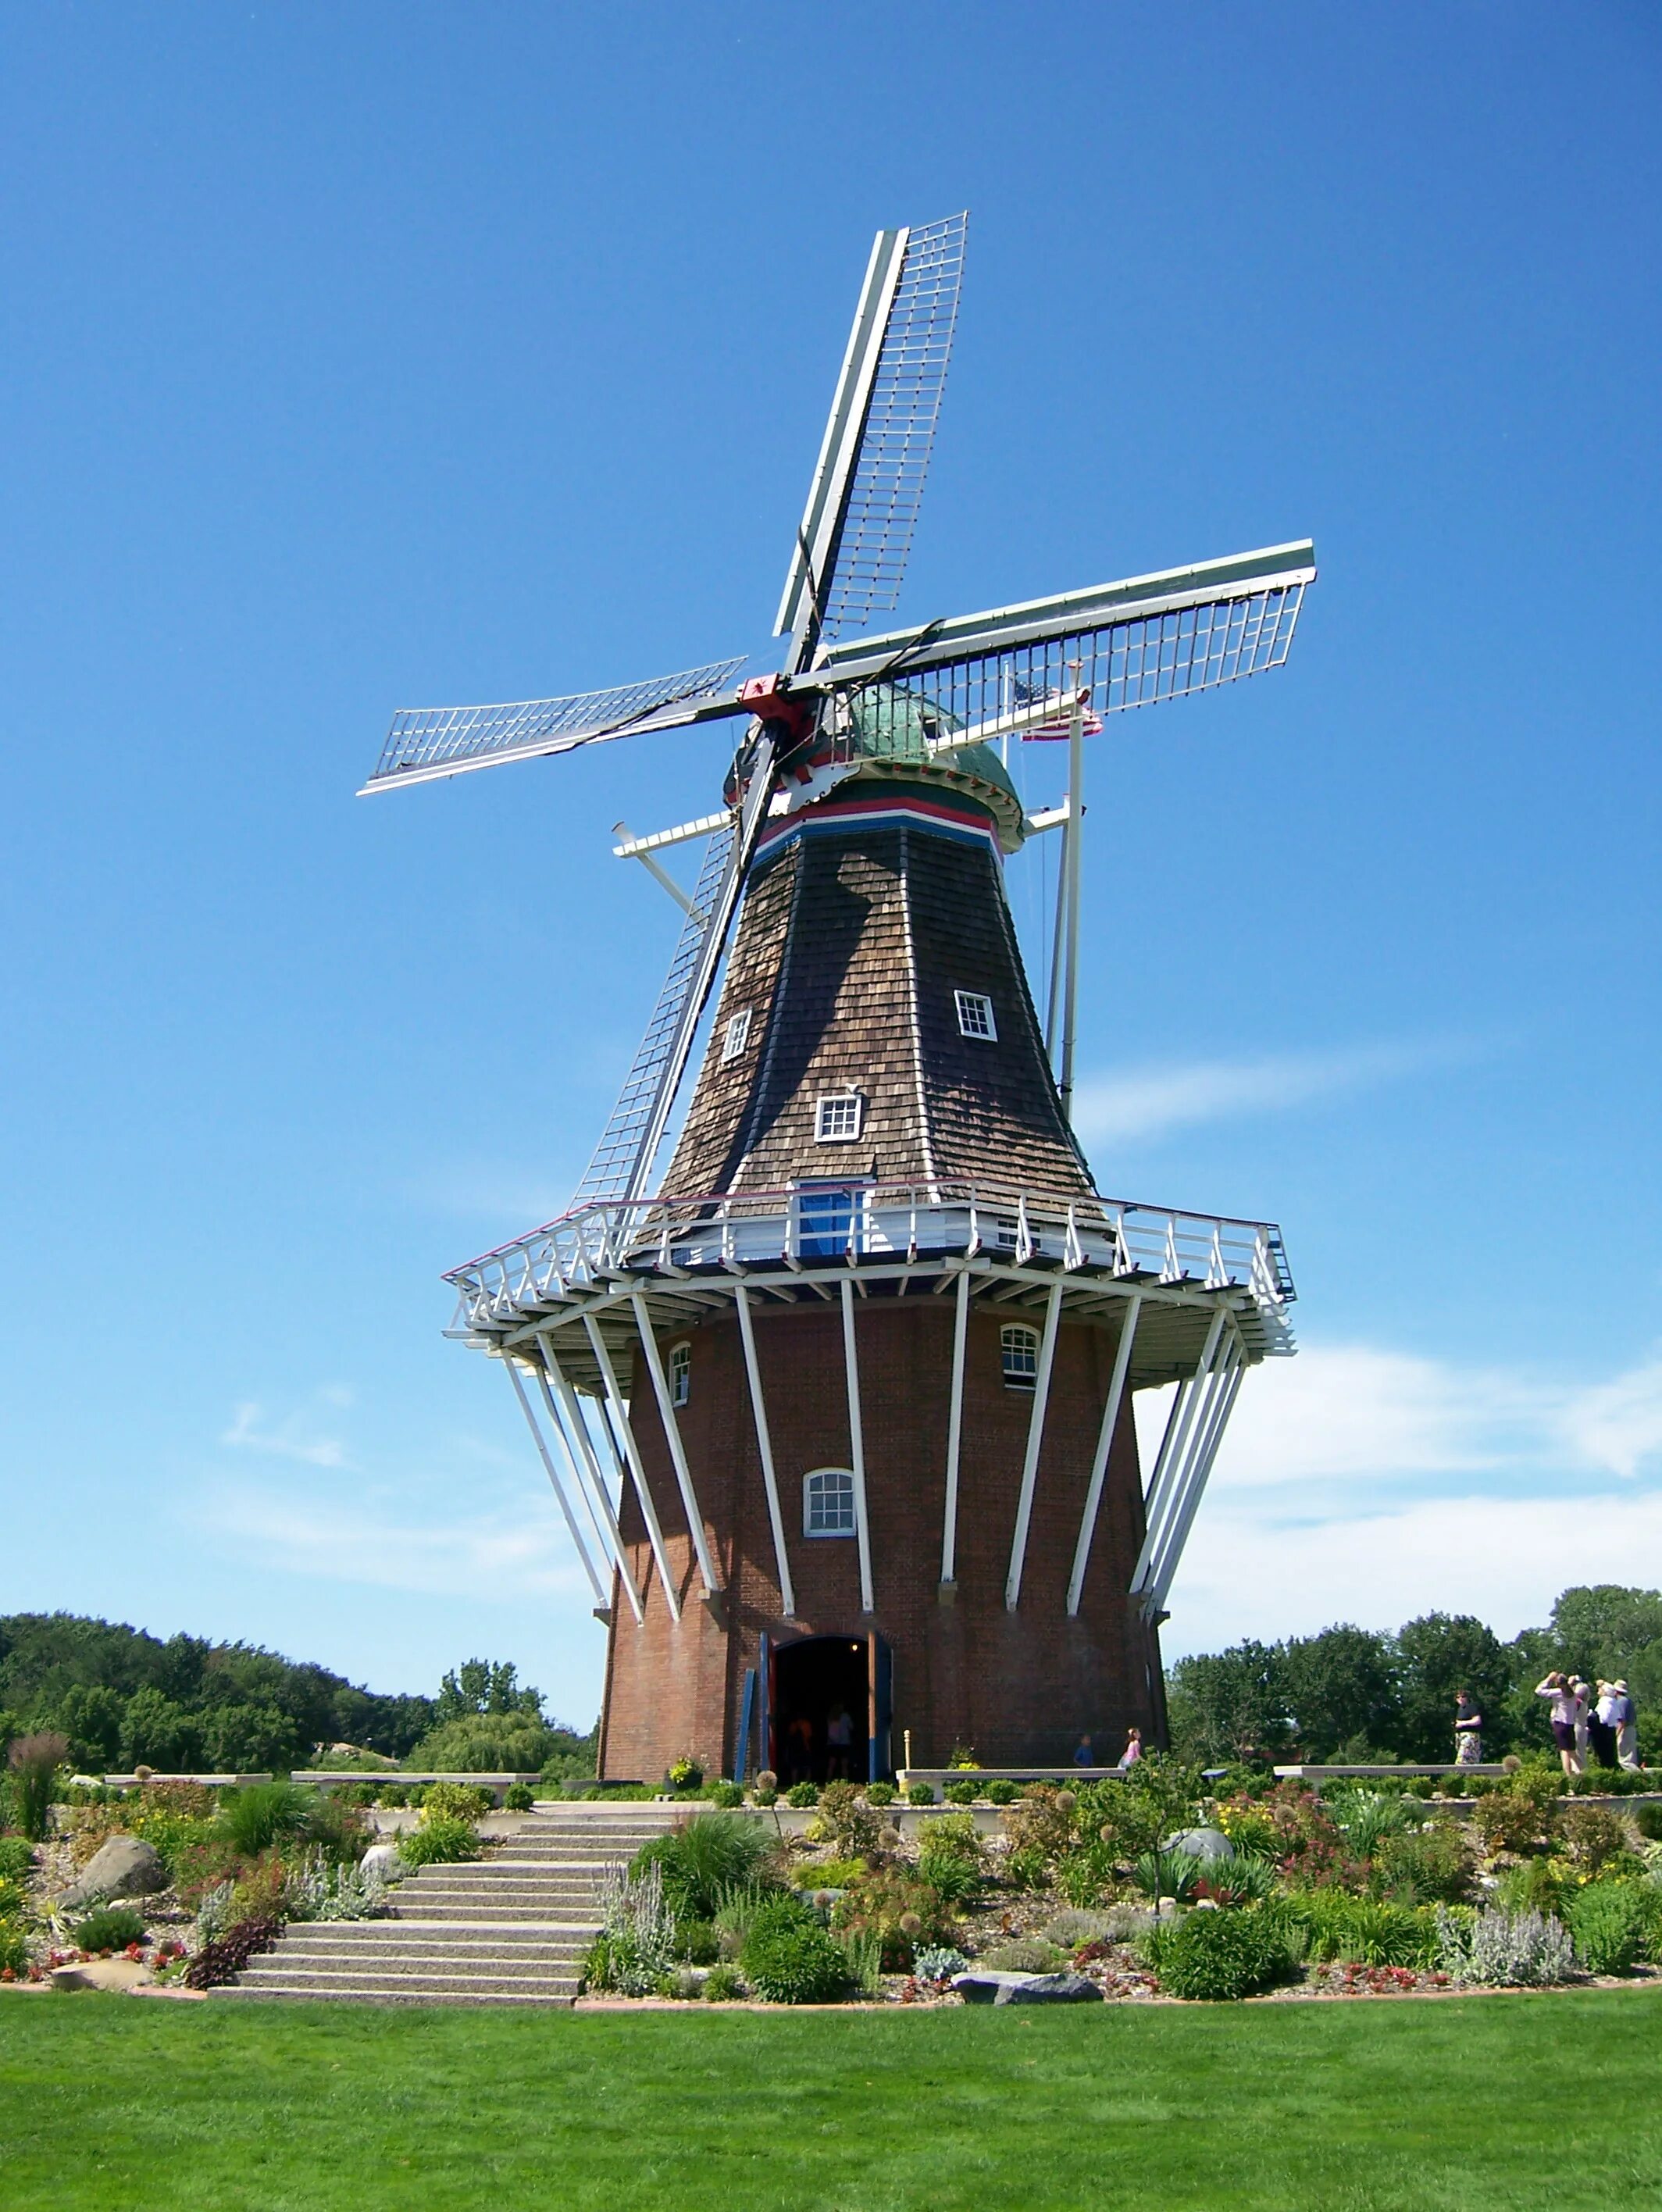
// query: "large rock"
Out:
[384,1860]
[1050,1988]
[1209,1844]
[123,1866]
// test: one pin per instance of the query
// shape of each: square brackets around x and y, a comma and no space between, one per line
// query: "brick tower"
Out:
[840,1415]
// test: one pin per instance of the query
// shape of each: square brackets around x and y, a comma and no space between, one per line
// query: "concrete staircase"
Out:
[510,1929]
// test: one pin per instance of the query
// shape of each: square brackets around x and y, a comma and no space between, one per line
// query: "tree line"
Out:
[124,1698]
[1359,1696]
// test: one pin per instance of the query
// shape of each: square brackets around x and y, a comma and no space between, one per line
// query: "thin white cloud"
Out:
[497,1555]
[1268,1575]
[248,1432]
[1149,1102]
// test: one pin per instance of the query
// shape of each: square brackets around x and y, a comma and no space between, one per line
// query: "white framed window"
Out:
[1021,1354]
[736,1036]
[1008,1231]
[839,1119]
[828,1502]
[680,1373]
[830,1219]
[975,1016]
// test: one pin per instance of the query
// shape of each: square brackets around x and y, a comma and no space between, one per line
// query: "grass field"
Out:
[1476,2103]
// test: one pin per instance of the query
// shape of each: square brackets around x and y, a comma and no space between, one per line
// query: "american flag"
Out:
[1030,695]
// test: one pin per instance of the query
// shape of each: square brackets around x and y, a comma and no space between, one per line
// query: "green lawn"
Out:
[1526,2101]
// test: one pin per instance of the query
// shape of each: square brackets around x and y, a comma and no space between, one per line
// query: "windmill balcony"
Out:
[888,1233]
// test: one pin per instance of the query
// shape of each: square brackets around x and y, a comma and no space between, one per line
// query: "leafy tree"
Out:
[90,1715]
[1611,1632]
[1225,1704]
[481,1685]
[1439,1655]
[251,1740]
[1341,1691]
[155,1732]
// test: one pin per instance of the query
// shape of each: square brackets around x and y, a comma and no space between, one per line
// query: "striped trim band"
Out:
[834,818]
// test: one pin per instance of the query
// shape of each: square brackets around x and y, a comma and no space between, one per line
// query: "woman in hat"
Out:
[1601,1725]
[1626,1730]
[1562,1715]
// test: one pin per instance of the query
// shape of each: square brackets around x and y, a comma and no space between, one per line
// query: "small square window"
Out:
[975,1016]
[838,1121]
[828,1502]
[736,1036]
[1021,1352]
[681,1374]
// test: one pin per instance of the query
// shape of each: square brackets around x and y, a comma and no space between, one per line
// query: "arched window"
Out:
[1020,1350]
[828,1502]
[680,1373]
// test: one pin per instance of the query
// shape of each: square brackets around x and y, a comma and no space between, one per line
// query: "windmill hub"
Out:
[839,1412]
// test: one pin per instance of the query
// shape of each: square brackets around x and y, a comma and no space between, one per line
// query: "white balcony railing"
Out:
[827,1224]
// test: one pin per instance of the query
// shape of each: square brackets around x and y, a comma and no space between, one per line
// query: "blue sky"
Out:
[355,359]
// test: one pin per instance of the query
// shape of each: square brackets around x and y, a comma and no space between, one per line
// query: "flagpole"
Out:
[1073,860]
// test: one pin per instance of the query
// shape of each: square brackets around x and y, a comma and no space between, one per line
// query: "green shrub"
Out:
[1086,1876]
[1432,1864]
[1341,1926]
[696,1943]
[833,1874]
[1167,1873]
[483,1743]
[11,1900]
[764,1793]
[455,1801]
[899,1911]
[795,1962]
[1592,1836]
[256,1818]
[518,1797]
[722,1984]
[439,1843]
[111,1928]
[1002,1792]
[1649,1818]
[684,1773]
[34,1761]
[13,1948]
[223,1959]
[1026,1955]
[1026,1868]
[17,1858]
[703,1859]
[919,1793]
[1496,1949]
[1366,1817]
[846,1820]
[880,1794]
[1223,1954]
[726,1795]
[393,1793]
[801,1794]
[1610,1924]
[961,1793]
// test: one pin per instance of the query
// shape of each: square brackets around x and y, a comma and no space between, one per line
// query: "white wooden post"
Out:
[637,1465]
[1018,1549]
[672,1437]
[1122,1361]
[765,1449]
[857,1445]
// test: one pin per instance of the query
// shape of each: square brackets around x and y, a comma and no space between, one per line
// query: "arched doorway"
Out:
[827,1696]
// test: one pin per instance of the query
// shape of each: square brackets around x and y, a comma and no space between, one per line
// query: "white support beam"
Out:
[1208,1391]
[705,826]
[954,1421]
[857,1445]
[678,1450]
[1172,1447]
[546,1458]
[1187,1504]
[1018,1549]
[1122,1361]
[639,848]
[765,1448]
[1075,840]
[637,1465]
[577,1466]
[558,1383]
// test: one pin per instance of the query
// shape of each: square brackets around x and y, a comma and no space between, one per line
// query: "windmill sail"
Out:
[622,1161]
[424,742]
[856,531]
[1129,644]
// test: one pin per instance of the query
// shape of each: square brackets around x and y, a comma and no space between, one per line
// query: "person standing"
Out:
[1626,1730]
[1560,1715]
[1583,1708]
[839,1742]
[1468,1730]
[1082,1754]
[1601,1725]
[1133,1750]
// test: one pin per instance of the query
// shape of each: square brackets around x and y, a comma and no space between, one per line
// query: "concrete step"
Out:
[285,1993]
[377,1981]
[468,1946]
[485,1912]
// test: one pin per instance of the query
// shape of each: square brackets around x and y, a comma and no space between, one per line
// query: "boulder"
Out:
[1201,1843]
[384,1860]
[123,1866]
[1050,1988]
[982,1984]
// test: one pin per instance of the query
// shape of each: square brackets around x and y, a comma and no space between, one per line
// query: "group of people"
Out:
[1586,1716]
[1085,1755]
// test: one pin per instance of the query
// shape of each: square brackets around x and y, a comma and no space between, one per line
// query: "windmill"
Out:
[839,1414]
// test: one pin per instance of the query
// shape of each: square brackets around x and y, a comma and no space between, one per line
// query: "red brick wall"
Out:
[1016,1686]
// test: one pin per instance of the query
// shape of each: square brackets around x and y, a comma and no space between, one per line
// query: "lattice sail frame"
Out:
[424,742]
[888,486]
